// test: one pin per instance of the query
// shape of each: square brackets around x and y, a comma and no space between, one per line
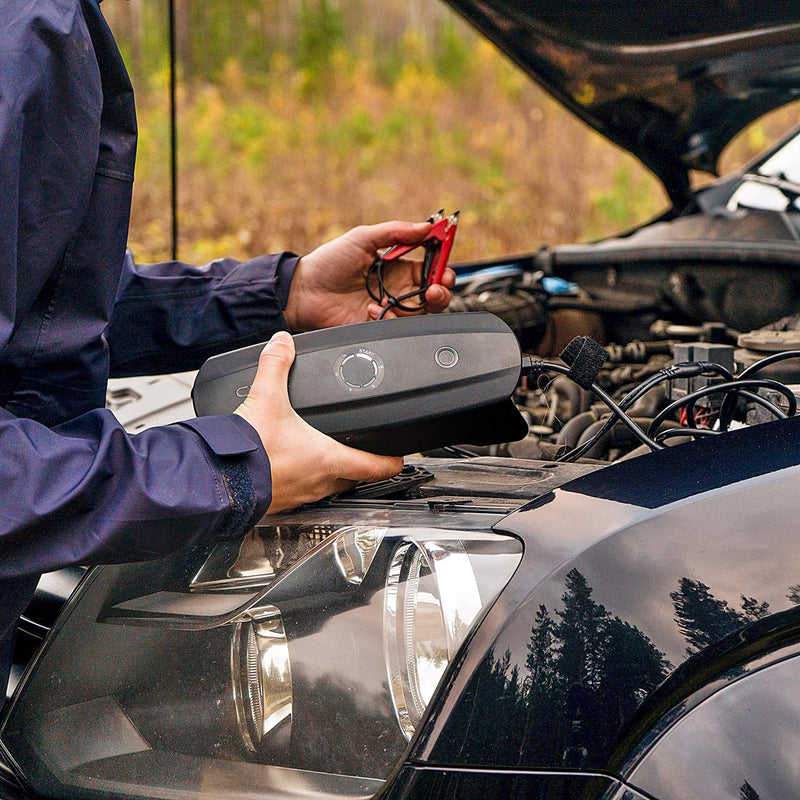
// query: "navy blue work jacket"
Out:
[75,488]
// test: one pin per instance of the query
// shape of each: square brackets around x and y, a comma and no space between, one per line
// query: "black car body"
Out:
[511,624]
[642,641]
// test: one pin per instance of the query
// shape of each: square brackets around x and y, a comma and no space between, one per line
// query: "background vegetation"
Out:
[301,118]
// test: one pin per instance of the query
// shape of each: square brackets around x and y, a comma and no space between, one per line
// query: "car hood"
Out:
[672,83]
[672,564]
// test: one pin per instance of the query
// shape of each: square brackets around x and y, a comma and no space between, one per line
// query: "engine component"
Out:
[721,354]
[755,345]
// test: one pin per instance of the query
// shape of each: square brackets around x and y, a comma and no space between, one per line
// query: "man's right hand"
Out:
[306,465]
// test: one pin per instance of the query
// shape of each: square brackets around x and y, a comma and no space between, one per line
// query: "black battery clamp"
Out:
[393,387]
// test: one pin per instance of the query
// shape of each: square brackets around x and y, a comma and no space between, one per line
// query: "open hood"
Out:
[671,82]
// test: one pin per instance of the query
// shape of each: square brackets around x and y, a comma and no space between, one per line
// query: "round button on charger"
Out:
[446,357]
[359,370]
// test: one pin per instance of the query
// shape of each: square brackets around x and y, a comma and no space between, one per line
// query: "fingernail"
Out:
[280,337]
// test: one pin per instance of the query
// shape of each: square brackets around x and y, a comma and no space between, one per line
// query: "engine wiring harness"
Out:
[583,359]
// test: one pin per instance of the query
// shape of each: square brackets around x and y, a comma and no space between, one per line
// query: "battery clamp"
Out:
[393,387]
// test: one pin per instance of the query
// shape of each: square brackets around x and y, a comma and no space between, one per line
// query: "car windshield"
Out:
[774,184]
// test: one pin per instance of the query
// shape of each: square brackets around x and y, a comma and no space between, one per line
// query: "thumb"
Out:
[274,363]
[386,234]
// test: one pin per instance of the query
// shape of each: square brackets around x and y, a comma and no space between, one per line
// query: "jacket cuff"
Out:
[286,267]
[229,435]
[243,466]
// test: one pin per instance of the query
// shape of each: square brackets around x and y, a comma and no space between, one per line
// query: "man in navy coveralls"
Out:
[75,488]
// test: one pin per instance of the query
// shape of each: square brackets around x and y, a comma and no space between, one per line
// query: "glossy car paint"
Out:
[640,584]
[646,589]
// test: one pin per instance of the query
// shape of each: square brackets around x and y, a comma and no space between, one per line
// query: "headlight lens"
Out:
[302,657]
[261,678]
[431,599]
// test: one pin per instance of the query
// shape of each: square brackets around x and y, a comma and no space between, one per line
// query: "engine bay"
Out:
[651,305]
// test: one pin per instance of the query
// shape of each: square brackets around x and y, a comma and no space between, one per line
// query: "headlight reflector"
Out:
[431,600]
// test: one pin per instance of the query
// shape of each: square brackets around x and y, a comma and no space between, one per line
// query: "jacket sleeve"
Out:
[87,492]
[193,312]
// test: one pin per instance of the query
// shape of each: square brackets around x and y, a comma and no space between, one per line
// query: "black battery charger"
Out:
[392,387]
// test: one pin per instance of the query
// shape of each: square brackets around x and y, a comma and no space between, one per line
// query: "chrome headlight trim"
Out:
[430,589]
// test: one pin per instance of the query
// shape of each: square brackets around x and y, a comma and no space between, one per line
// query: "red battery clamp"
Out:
[437,245]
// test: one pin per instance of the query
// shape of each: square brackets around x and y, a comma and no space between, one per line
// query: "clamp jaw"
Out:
[437,245]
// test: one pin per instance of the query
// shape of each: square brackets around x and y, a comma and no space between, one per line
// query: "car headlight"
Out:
[261,677]
[431,595]
[302,657]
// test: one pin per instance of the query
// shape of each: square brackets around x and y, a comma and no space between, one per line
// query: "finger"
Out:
[448,278]
[358,465]
[274,363]
[437,298]
[374,311]
[386,234]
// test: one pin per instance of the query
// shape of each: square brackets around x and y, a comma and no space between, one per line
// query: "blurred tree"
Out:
[321,34]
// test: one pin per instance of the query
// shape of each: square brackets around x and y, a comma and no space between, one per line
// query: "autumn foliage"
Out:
[290,134]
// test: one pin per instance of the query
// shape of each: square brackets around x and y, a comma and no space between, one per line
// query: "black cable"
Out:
[727,408]
[432,248]
[753,396]
[685,369]
[767,360]
[688,369]
[546,366]
[382,293]
[652,438]
[641,435]
[675,433]
[612,438]
[735,386]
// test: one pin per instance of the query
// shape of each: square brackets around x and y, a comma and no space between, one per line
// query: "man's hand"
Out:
[306,465]
[328,287]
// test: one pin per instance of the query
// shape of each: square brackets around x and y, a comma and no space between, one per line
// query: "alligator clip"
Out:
[437,244]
